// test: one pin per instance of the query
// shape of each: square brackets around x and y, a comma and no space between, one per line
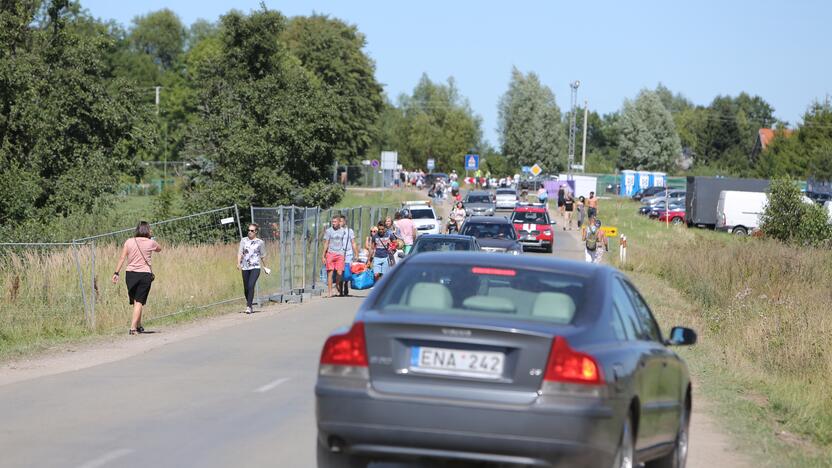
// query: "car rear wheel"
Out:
[679,456]
[677,220]
[329,459]
[739,231]
[625,456]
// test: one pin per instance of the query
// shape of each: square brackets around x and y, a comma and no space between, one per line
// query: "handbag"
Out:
[152,276]
[363,280]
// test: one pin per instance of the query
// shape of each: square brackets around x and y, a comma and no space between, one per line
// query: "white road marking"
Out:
[106,458]
[271,385]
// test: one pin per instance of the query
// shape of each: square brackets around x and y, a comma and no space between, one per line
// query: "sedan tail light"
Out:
[348,349]
[569,366]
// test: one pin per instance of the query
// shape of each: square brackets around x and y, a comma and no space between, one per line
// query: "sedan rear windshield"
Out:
[422,214]
[506,192]
[442,245]
[488,230]
[483,291]
[478,199]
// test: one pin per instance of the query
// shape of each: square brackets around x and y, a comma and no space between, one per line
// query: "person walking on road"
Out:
[139,273]
[334,258]
[250,257]
[542,195]
[407,230]
[456,218]
[595,242]
[580,206]
[350,253]
[381,243]
[561,201]
[568,207]
[592,205]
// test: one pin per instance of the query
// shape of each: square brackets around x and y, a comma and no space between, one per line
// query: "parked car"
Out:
[445,243]
[479,203]
[533,226]
[424,217]
[431,178]
[647,192]
[671,194]
[676,215]
[506,198]
[662,206]
[508,360]
[494,233]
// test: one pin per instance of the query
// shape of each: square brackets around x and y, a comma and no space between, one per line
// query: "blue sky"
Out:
[778,50]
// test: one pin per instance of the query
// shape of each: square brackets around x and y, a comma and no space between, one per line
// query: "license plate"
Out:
[531,238]
[457,362]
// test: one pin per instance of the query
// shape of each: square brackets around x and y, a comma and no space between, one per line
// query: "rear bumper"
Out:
[540,244]
[365,422]
[506,205]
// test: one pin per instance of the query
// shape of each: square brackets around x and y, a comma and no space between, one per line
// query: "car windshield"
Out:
[489,230]
[422,213]
[473,290]
[478,199]
[442,245]
[506,192]
[529,217]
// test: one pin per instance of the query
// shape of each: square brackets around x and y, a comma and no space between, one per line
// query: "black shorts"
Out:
[138,286]
[560,203]
[569,206]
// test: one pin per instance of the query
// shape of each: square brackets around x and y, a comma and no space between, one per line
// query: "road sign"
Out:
[526,169]
[472,162]
[389,160]
[374,163]
[536,170]
[365,162]
[610,231]
[578,167]
[431,164]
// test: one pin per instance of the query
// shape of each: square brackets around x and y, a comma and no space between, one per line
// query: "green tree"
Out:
[67,129]
[333,51]
[788,218]
[647,138]
[264,124]
[530,125]
[160,35]
[807,152]
[435,122]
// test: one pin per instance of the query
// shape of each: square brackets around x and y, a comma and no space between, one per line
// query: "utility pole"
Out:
[583,147]
[572,128]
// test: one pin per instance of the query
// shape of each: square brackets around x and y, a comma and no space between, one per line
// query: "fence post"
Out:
[305,243]
[239,226]
[81,280]
[93,292]
[282,247]
[292,250]
[315,257]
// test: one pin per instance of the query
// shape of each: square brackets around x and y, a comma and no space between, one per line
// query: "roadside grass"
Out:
[367,197]
[762,312]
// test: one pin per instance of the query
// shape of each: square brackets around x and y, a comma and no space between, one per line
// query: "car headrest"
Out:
[555,305]
[489,303]
[430,296]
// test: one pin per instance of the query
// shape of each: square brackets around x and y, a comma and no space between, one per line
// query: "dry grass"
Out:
[762,307]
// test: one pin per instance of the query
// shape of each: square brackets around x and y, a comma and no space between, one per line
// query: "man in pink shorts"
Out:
[335,244]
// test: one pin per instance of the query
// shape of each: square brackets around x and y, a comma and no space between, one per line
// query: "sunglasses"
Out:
[252,230]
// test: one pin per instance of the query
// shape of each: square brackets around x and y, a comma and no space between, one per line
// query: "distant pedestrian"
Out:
[382,257]
[139,273]
[542,195]
[592,205]
[250,257]
[350,253]
[595,242]
[334,258]
[406,230]
[581,207]
[568,208]
[561,201]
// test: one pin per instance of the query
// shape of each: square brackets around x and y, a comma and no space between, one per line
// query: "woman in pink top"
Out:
[137,251]
[407,230]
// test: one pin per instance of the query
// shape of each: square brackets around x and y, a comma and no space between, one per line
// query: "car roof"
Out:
[479,192]
[513,261]
[530,209]
[445,236]
[487,220]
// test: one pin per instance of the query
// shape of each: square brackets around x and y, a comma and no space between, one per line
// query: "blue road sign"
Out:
[526,169]
[431,164]
[472,162]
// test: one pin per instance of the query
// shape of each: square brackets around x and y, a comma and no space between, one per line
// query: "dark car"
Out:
[647,192]
[494,233]
[655,210]
[444,243]
[512,360]
[480,203]
[431,178]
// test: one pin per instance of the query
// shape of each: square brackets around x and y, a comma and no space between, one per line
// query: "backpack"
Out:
[591,240]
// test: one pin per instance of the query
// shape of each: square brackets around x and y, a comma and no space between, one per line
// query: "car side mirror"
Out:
[681,336]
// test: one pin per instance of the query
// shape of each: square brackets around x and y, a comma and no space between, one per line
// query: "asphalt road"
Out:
[239,396]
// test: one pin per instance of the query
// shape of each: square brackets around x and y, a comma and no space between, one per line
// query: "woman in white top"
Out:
[249,260]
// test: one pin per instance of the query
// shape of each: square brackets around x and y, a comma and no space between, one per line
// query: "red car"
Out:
[533,227]
[674,216]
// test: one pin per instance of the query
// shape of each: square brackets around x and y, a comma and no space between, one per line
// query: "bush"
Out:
[789,219]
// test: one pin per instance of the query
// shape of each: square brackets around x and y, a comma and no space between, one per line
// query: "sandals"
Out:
[133,332]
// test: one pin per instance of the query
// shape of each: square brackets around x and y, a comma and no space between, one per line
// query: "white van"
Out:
[828,206]
[739,212]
